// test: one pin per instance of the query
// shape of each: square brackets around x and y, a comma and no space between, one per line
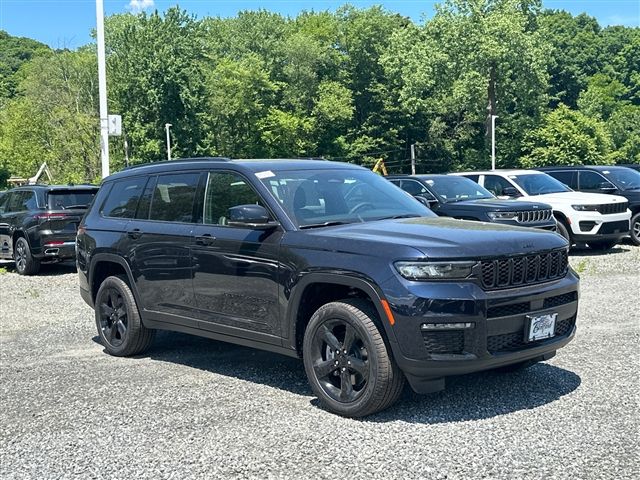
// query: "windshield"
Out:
[455,189]
[63,199]
[624,178]
[539,184]
[318,197]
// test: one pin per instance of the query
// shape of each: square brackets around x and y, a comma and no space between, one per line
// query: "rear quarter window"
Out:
[122,200]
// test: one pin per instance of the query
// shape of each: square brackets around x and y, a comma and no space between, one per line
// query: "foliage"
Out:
[355,84]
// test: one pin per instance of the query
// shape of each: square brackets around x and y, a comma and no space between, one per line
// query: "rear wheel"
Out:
[603,245]
[349,366]
[635,229]
[26,264]
[118,320]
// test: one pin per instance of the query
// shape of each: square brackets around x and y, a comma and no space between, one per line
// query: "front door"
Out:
[235,269]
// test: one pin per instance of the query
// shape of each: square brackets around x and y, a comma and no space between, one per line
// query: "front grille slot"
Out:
[524,270]
[533,216]
[512,342]
[451,342]
[560,299]
[611,208]
[508,310]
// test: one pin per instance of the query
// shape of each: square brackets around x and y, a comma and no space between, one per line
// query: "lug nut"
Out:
[343,369]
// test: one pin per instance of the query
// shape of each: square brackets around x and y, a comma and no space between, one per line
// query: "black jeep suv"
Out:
[38,223]
[459,197]
[326,261]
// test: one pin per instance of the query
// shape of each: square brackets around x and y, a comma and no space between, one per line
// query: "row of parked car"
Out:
[324,261]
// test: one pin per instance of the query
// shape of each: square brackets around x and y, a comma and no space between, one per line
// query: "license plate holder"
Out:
[540,327]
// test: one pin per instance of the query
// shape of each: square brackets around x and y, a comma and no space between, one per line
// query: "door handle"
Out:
[206,239]
[135,233]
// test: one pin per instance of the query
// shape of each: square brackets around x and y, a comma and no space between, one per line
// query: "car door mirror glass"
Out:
[249,216]
[511,192]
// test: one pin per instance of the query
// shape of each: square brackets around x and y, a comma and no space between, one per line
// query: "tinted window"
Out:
[496,184]
[454,188]
[225,190]
[539,183]
[123,198]
[475,178]
[413,187]
[63,199]
[592,180]
[4,200]
[28,201]
[20,201]
[624,178]
[174,197]
[568,177]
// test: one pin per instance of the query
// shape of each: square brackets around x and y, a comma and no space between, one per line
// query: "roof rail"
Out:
[179,160]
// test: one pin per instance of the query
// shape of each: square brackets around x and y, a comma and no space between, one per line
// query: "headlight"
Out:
[502,215]
[585,208]
[431,270]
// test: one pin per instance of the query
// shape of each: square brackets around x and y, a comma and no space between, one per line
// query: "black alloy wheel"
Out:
[349,365]
[113,317]
[635,229]
[26,264]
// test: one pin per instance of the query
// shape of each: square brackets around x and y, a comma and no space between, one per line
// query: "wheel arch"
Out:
[317,289]
[104,265]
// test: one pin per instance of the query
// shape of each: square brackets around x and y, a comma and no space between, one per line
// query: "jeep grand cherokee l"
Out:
[459,197]
[322,260]
[38,223]
[598,220]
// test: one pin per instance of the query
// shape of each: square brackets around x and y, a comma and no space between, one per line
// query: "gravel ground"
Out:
[195,408]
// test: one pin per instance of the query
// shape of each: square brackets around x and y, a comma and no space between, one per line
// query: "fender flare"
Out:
[113,258]
[347,279]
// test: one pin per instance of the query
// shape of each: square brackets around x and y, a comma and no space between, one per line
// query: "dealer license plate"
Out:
[541,326]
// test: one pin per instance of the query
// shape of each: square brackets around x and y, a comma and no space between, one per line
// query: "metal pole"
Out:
[493,141]
[167,126]
[413,159]
[102,87]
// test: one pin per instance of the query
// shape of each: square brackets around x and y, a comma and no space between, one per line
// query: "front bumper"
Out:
[498,334]
[56,250]
[595,226]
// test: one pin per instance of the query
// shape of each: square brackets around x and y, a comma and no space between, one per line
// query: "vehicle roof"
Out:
[55,187]
[576,167]
[251,165]
[500,171]
[420,175]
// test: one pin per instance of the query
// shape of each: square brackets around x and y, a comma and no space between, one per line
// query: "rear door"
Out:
[158,243]
[236,269]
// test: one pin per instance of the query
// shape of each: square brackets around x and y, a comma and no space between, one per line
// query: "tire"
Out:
[118,319]
[603,245]
[26,264]
[635,229]
[363,381]
[564,231]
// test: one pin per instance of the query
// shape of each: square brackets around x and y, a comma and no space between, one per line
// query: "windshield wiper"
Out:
[325,224]
[404,215]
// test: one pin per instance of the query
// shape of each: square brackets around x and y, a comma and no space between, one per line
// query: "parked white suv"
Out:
[593,218]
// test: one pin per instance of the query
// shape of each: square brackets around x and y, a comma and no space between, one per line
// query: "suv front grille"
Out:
[444,342]
[512,342]
[534,216]
[524,270]
[610,208]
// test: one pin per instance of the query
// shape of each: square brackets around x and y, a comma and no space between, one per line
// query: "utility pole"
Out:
[413,159]
[102,87]
[493,141]
[167,126]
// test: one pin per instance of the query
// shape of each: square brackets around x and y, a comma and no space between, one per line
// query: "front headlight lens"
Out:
[585,208]
[434,270]
[502,215]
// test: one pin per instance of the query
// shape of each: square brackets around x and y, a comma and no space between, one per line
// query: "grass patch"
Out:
[582,266]
[3,270]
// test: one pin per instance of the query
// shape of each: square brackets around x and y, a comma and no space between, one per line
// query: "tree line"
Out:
[354,85]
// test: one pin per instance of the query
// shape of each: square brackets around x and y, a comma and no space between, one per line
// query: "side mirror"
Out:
[250,216]
[426,201]
[511,192]
[606,187]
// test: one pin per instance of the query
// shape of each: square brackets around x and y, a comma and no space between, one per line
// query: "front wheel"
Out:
[635,229]
[348,364]
[118,320]
[564,231]
[26,263]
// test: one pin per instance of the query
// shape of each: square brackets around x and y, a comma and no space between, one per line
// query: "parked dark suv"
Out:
[38,223]
[322,260]
[610,179]
[459,197]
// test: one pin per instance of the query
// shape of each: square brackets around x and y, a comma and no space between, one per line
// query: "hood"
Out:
[439,238]
[495,204]
[575,198]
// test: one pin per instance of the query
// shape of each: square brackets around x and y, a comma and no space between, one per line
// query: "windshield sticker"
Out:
[513,177]
[265,174]
[606,172]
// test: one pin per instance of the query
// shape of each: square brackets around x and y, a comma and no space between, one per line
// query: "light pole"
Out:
[102,90]
[493,141]
[167,126]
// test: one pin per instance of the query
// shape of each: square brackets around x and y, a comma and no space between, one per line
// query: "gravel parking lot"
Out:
[196,408]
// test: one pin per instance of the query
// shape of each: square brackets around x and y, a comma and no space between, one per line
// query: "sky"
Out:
[68,23]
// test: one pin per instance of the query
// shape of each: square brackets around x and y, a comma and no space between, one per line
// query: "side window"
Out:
[475,178]
[592,180]
[123,198]
[568,177]
[15,202]
[225,190]
[174,197]
[413,187]
[29,201]
[496,184]
[4,202]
